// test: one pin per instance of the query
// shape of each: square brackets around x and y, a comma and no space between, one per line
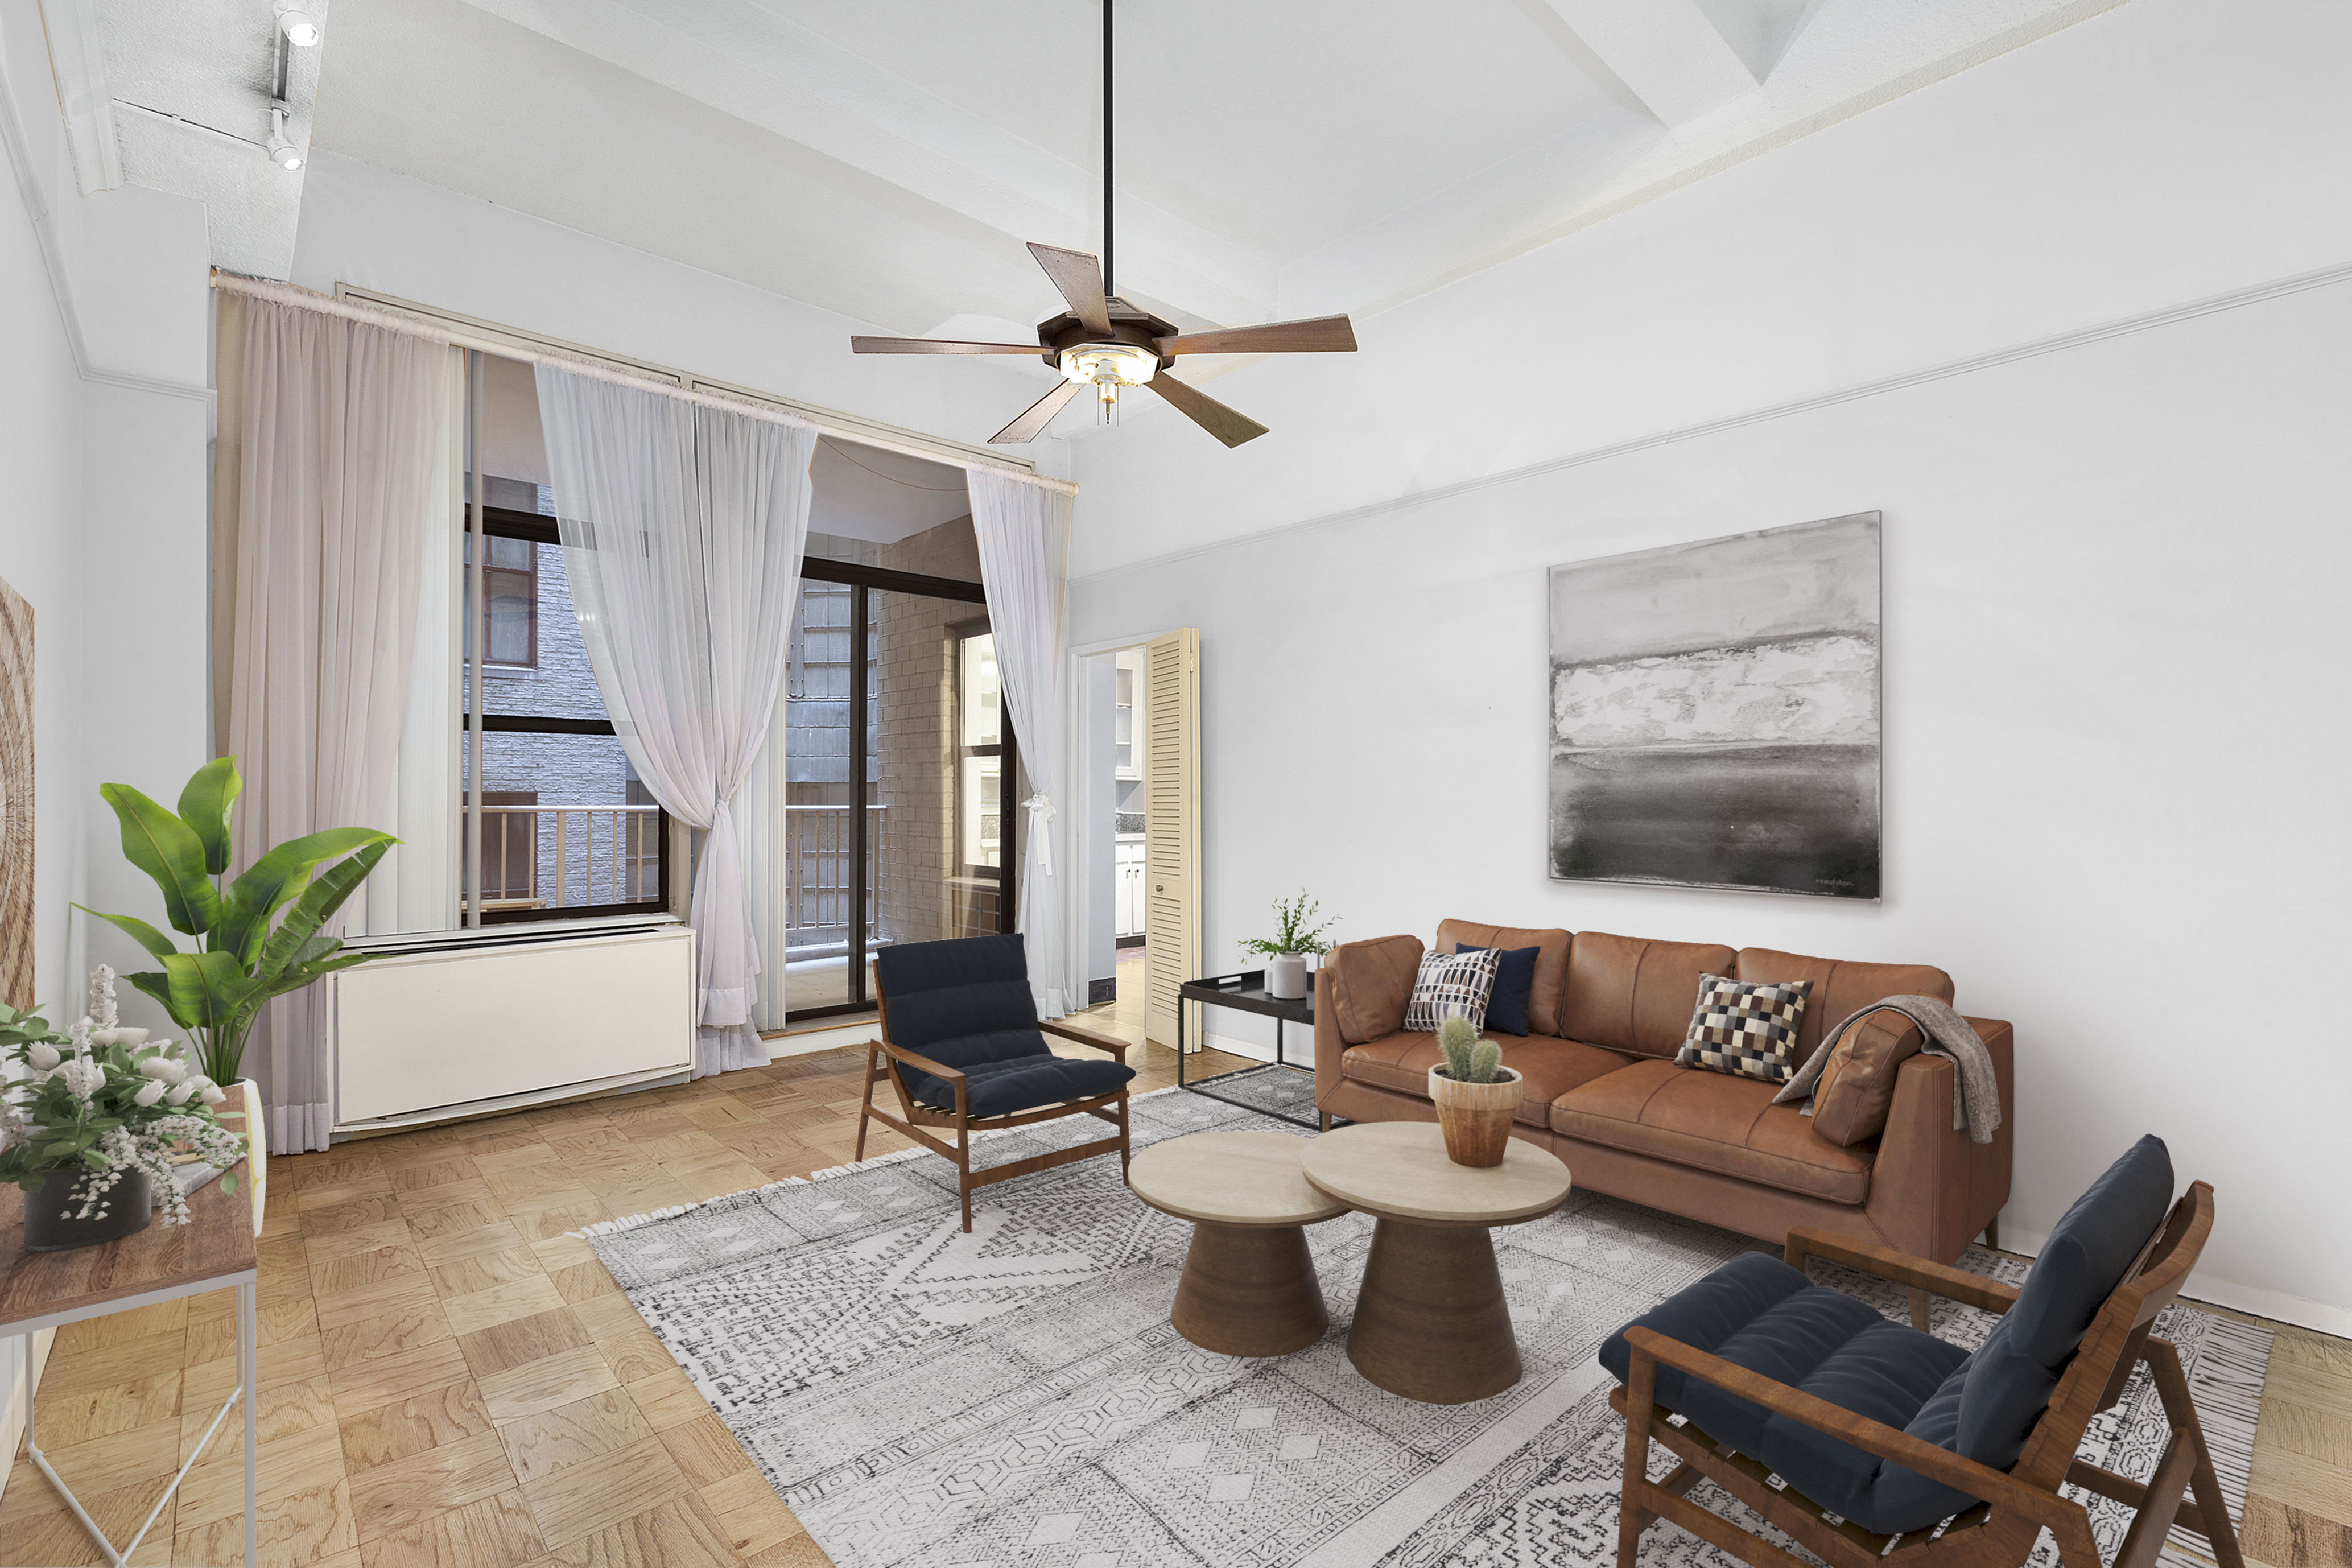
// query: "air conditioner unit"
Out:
[469,1024]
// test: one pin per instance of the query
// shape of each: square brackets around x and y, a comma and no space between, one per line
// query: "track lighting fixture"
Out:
[301,28]
[282,152]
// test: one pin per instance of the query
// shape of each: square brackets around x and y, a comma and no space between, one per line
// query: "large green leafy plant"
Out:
[215,992]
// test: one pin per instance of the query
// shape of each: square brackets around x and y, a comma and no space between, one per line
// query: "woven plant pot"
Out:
[1477,1116]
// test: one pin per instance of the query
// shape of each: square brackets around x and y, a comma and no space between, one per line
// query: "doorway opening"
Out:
[1139,767]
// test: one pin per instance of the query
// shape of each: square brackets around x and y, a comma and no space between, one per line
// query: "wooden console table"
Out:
[49,1290]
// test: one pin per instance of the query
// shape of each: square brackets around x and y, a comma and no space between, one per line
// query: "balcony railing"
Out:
[816,861]
[570,856]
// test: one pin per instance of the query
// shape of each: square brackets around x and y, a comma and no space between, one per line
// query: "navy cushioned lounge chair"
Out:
[1879,1433]
[964,1050]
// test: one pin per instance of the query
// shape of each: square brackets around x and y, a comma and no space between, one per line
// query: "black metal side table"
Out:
[1248,992]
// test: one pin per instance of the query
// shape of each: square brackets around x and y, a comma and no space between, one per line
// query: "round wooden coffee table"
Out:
[1431,1321]
[1249,1285]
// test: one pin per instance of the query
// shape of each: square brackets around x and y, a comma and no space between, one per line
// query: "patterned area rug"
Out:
[923,1398]
[1279,1090]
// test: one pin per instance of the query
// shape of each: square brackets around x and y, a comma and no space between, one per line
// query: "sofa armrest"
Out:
[1932,1188]
[1328,1046]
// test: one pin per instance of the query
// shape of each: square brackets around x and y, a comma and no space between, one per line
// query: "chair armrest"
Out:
[1997,1487]
[1952,1284]
[940,1071]
[1117,1048]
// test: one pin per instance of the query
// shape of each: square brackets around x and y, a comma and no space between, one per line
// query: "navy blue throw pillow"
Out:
[1515,981]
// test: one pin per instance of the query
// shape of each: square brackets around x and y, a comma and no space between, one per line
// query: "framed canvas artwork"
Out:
[1715,713]
[16,799]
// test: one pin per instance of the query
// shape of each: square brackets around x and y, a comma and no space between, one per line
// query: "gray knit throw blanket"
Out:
[1976,1094]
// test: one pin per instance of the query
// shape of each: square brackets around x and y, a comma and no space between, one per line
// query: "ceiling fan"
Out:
[1103,342]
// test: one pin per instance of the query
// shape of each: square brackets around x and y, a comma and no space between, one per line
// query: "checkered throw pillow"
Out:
[1744,1029]
[1452,983]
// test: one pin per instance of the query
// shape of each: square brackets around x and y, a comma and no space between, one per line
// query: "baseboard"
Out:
[808,1042]
[1250,1049]
[2254,1300]
[26,1383]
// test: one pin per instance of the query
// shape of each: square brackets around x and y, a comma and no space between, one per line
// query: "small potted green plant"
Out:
[1475,1095]
[1296,936]
[91,1129]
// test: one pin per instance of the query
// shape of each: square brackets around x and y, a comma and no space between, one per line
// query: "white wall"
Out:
[2114,656]
[373,229]
[103,421]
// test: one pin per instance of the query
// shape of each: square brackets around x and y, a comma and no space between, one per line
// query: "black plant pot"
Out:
[51,1211]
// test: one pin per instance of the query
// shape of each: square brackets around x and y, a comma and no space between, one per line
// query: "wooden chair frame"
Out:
[913,1117]
[2018,1503]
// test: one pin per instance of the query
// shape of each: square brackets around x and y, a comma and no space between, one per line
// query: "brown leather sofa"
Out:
[1606,1016]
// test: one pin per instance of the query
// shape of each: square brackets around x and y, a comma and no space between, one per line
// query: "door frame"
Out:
[1088,839]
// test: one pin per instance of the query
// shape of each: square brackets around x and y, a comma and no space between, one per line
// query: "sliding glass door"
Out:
[897,755]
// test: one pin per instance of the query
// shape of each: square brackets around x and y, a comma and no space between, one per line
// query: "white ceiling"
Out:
[887,161]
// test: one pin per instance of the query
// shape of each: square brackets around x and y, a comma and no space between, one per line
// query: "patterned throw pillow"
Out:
[1744,1029]
[1451,984]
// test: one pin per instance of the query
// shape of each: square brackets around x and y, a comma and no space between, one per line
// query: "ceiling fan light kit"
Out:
[1103,343]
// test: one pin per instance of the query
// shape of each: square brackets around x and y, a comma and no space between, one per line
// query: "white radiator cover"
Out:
[474,1025]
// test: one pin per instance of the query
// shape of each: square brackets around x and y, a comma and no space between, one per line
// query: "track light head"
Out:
[301,28]
[281,149]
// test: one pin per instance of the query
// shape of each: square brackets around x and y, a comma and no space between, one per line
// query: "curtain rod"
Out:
[303,299]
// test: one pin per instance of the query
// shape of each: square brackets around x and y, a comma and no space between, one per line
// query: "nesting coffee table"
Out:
[1431,1320]
[1249,1285]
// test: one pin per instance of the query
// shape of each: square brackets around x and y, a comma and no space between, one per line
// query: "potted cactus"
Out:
[1474,1093]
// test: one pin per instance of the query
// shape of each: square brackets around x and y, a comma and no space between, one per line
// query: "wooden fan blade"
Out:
[1079,277]
[935,347]
[1228,424]
[1035,417]
[1323,335]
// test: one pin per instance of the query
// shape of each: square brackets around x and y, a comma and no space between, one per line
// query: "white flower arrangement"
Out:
[108,1102]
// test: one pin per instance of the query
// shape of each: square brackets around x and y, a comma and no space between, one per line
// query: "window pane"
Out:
[551,679]
[935,684]
[512,609]
[815,908]
[565,824]
[983,698]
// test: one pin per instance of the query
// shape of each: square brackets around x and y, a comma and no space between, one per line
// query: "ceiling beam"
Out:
[78,58]
[810,90]
[1671,53]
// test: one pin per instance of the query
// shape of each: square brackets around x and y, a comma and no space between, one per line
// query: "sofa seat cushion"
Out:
[1006,1086]
[1759,1313]
[1551,1068]
[1713,1123]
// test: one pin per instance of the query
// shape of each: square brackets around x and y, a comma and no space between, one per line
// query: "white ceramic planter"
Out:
[1285,976]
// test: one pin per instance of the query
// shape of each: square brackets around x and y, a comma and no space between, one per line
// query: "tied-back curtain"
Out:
[1023,532]
[341,456]
[682,529]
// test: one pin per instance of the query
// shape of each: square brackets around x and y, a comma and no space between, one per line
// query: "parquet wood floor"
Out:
[449,1381]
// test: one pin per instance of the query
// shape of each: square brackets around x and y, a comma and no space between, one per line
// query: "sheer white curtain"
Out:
[682,529]
[1023,530]
[343,449]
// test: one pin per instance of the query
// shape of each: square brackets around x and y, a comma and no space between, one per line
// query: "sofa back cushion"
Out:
[1630,994]
[1840,988]
[1551,963]
[1371,983]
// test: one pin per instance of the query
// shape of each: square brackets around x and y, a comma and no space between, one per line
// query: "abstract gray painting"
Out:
[1715,713]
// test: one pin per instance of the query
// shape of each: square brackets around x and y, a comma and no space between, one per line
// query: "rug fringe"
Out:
[632,1222]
